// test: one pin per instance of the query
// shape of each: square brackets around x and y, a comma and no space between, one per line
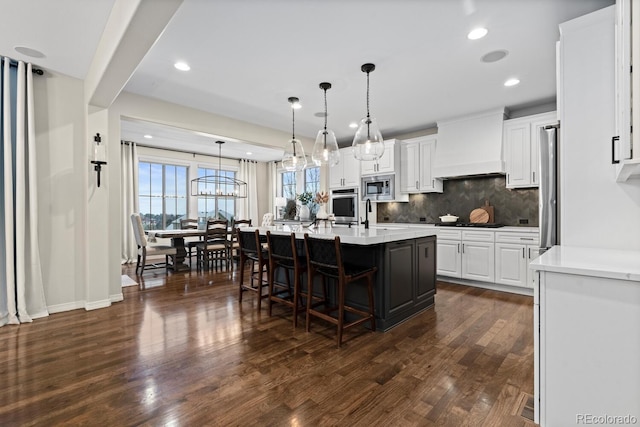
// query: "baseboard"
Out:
[486,285]
[116,297]
[94,305]
[68,306]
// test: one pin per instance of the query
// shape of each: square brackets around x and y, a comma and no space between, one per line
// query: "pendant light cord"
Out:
[368,95]
[293,130]
[324,134]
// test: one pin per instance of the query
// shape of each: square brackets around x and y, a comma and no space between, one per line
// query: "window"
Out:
[162,195]
[312,180]
[294,183]
[215,207]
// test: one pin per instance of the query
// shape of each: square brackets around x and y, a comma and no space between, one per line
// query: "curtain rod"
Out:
[177,150]
[34,70]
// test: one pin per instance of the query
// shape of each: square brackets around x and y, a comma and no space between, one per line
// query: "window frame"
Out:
[164,163]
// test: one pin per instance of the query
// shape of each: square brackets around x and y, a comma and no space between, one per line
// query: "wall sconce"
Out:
[99,155]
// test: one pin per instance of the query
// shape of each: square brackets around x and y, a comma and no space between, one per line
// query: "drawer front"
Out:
[517,238]
[478,236]
[449,234]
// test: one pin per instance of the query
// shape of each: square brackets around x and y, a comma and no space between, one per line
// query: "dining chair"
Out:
[267,219]
[214,249]
[190,242]
[234,246]
[283,256]
[144,249]
[251,250]
[324,258]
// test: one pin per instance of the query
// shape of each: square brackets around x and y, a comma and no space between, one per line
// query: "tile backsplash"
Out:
[517,207]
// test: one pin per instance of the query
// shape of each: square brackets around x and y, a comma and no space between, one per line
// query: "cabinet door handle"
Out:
[463,248]
[417,184]
[426,252]
[433,183]
[458,247]
[508,178]
[613,150]
[522,252]
[534,176]
[526,238]
[529,253]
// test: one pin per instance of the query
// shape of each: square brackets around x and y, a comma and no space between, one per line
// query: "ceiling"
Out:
[247,57]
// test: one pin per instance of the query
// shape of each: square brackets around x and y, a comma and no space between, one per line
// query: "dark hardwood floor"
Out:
[180,350]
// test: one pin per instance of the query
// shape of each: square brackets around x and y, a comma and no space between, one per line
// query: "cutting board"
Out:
[479,216]
[489,210]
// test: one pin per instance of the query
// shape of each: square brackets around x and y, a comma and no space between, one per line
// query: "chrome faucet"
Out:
[367,209]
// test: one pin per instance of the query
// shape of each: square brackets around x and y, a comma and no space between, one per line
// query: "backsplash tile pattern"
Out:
[460,197]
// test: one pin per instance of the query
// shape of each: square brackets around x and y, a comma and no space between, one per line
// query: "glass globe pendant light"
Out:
[325,149]
[294,158]
[367,142]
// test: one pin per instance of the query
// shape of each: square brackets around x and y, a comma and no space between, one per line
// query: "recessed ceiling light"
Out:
[27,51]
[477,33]
[511,82]
[148,136]
[249,153]
[182,66]
[353,125]
[494,56]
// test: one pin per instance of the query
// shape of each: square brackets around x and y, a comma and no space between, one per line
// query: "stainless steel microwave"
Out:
[378,188]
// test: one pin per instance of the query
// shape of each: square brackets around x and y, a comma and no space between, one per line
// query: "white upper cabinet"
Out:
[625,145]
[416,166]
[385,164]
[347,172]
[521,147]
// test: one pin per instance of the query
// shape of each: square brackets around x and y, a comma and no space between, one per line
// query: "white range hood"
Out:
[470,145]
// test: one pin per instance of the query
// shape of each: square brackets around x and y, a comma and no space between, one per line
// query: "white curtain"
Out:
[129,191]
[248,207]
[21,286]
[273,185]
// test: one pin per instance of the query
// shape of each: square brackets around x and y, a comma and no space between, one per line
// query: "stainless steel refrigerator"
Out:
[549,188]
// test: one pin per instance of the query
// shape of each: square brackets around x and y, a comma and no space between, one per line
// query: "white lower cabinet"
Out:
[514,252]
[466,254]
[472,254]
[449,259]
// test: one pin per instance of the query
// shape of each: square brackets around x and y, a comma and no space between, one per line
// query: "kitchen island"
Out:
[406,259]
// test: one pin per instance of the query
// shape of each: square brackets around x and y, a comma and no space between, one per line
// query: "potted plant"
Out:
[304,199]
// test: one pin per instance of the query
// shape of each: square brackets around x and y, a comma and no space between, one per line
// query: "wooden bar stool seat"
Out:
[324,258]
[283,255]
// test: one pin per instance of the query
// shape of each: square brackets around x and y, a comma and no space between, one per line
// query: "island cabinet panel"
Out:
[426,269]
[399,260]
[408,277]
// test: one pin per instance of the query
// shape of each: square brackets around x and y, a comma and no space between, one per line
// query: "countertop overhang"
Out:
[355,235]
[597,262]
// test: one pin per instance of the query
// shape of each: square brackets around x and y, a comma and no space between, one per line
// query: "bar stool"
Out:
[283,255]
[324,257]
[251,250]
[233,241]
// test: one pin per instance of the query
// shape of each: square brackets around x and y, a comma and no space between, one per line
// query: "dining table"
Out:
[177,241]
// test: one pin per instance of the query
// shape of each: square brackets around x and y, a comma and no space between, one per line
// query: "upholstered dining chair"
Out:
[267,219]
[144,249]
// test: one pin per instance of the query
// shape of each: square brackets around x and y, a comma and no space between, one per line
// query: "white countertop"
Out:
[355,235]
[606,263]
[427,225]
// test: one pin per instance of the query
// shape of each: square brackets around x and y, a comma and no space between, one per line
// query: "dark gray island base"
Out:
[405,282]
